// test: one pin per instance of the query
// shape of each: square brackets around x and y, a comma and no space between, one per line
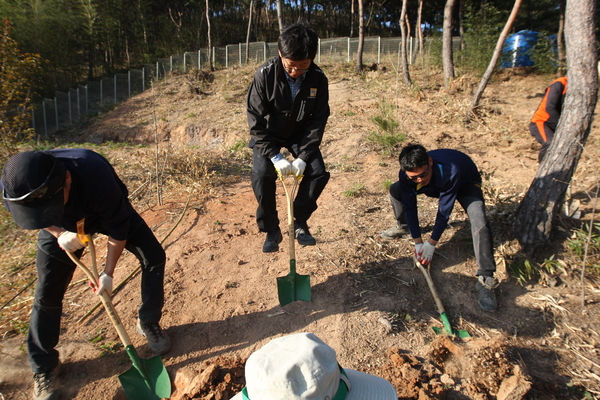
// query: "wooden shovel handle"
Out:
[434,292]
[290,209]
[92,275]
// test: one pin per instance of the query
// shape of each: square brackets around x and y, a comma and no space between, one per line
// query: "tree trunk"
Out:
[405,73]
[447,58]
[535,215]
[280,15]
[248,33]
[419,30]
[361,37]
[351,18]
[490,69]
[461,23]
[559,39]
[210,55]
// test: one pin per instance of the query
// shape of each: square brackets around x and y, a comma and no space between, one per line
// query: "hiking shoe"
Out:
[45,384]
[272,241]
[485,288]
[397,231]
[157,339]
[303,236]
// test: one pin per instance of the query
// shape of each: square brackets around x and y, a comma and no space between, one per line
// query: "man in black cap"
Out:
[53,191]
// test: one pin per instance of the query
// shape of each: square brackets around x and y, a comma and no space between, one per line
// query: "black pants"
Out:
[543,138]
[55,270]
[471,199]
[264,183]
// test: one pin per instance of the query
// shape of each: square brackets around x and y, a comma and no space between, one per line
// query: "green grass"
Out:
[388,135]
[356,190]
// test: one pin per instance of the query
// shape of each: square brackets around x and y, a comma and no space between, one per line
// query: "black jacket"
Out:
[275,121]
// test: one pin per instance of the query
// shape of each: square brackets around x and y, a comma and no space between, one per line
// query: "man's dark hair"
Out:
[298,42]
[413,156]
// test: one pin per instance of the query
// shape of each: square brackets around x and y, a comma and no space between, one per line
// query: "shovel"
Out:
[292,287]
[146,379]
[440,307]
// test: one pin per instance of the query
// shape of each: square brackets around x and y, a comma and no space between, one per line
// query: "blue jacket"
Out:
[452,170]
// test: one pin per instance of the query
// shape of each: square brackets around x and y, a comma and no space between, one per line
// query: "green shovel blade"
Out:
[293,287]
[448,328]
[146,379]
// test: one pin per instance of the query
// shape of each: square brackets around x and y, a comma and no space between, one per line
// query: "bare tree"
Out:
[280,15]
[496,55]
[542,201]
[351,18]
[447,58]
[248,33]
[210,55]
[361,37]
[403,23]
[559,38]
[419,30]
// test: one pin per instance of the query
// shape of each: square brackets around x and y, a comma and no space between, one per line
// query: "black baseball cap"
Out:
[33,189]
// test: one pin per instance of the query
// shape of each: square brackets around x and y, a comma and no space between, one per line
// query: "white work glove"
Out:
[282,165]
[105,282]
[298,166]
[418,247]
[69,241]
[426,253]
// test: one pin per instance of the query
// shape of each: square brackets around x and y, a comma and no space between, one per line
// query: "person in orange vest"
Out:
[546,117]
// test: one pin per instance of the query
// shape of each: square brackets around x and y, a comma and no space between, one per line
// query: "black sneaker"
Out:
[485,288]
[45,384]
[303,235]
[157,339]
[272,241]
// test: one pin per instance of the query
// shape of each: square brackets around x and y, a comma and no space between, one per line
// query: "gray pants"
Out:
[471,199]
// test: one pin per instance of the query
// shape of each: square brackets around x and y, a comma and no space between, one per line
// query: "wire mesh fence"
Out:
[65,109]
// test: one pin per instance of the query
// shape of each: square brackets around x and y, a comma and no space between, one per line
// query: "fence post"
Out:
[143,79]
[240,51]
[226,56]
[265,53]
[86,100]
[348,50]
[171,64]
[56,111]
[69,100]
[214,55]
[199,60]
[157,76]
[101,92]
[44,114]
[378,49]
[319,51]
[184,61]
[33,119]
[129,84]
[410,50]
[115,86]
[78,105]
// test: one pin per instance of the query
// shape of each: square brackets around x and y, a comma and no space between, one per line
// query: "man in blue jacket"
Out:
[54,191]
[288,107]
[450,176]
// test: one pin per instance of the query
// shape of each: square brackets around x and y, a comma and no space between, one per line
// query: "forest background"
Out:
[79,40]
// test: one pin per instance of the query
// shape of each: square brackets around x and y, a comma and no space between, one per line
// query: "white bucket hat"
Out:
[302,367]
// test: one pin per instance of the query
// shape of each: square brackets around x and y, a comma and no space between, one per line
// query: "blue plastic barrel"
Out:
[517,49]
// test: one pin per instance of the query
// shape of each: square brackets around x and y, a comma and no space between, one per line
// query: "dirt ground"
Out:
[368,300]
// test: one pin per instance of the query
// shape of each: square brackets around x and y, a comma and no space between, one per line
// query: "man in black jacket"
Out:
[288,106]
[57,192]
